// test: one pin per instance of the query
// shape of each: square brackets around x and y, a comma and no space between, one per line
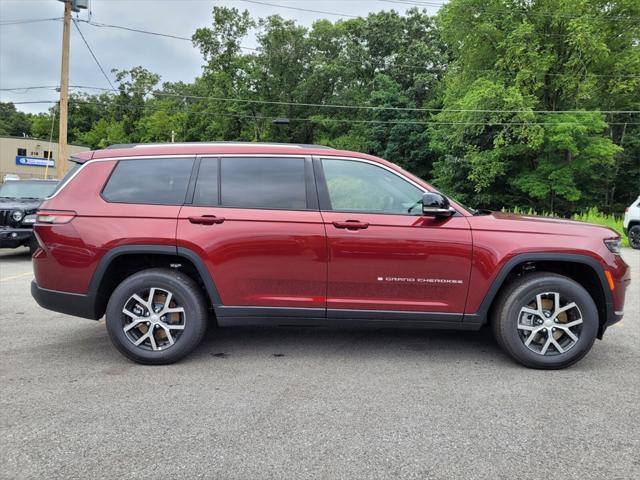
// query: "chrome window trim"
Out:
[252,154]
[185,155]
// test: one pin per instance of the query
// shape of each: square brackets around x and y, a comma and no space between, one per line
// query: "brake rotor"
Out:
[158,300]
[173,318]
[562,316]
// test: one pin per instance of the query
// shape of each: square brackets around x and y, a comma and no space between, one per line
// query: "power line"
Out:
[34,20]
[429,110]
[94,57]
[300,9]
[147,32]
[417,4]
[136,30]
[329,105]
[373,107]
[26,89]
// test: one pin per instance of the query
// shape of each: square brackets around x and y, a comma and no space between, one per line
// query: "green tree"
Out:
[530,57]
[13,122]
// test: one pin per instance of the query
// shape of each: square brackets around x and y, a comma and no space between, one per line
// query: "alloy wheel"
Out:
[153,319]
[550,324]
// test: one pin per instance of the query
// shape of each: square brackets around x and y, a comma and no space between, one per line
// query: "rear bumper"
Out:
[74,304]
[14,237]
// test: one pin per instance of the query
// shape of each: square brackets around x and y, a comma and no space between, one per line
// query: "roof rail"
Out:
[121,145]
[150,145]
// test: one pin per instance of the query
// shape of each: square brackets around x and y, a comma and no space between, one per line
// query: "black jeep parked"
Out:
[19,200]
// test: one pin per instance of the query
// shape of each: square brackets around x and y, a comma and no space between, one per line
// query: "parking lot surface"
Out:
[308,403]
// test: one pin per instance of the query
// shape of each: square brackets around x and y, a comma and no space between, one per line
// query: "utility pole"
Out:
[63,150]
[64,92]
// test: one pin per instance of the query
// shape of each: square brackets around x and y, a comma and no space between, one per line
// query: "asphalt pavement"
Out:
[296,403]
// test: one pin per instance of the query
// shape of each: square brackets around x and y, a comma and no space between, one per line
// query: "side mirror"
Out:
[436,205]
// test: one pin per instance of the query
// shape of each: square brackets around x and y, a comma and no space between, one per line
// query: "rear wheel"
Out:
[544,320]
[156,316]
[634,237]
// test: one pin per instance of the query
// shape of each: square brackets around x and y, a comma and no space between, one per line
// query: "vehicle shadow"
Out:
[15,253]
[315,343]
[242,346]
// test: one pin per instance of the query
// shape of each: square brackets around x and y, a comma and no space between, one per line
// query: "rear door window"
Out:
[263,182]
[157,181]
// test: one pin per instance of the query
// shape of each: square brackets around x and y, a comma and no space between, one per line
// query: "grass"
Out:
[591,215]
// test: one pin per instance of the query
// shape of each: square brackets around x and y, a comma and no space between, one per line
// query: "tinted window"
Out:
[363,187]
[264,183]
[161,181]
[207,185]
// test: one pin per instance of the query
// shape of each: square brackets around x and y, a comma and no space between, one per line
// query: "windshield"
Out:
[20,189]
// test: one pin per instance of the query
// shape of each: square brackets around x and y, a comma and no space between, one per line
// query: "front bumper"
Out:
[14,237]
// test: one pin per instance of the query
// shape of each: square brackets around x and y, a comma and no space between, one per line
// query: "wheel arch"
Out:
[585,270]
[121,262]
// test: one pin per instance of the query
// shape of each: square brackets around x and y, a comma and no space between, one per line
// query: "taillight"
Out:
[55,216]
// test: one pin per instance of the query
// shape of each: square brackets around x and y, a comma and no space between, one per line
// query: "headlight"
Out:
[17,215]
[614,245]
[29,219]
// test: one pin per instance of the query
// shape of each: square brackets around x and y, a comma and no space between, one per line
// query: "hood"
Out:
[18,204]
[510,222]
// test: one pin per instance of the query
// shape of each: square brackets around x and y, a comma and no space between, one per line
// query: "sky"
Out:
[30,53]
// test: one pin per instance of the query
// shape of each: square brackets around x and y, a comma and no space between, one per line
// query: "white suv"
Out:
[632,224]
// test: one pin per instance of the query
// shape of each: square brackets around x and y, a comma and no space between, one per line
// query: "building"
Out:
[30,157]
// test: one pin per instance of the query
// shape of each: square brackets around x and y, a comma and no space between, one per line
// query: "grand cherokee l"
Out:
[163,238]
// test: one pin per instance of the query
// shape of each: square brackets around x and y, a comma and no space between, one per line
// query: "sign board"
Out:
[34,162]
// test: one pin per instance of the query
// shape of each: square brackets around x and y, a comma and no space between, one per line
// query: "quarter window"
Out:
[22,152]
[263,182]
[158,181]
[362,187]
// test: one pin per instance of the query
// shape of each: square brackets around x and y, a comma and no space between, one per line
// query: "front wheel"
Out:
[634,237]
[544,320]
[156,316]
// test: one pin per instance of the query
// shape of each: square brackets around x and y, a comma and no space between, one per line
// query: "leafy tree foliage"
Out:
[461,98]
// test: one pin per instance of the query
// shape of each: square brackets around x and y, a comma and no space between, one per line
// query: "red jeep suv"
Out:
[161,238]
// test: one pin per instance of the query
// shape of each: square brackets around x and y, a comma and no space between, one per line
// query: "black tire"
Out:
[186,293]
[634,237]
[518,294]
[33,245]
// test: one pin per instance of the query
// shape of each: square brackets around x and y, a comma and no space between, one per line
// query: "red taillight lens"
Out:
[55,216]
